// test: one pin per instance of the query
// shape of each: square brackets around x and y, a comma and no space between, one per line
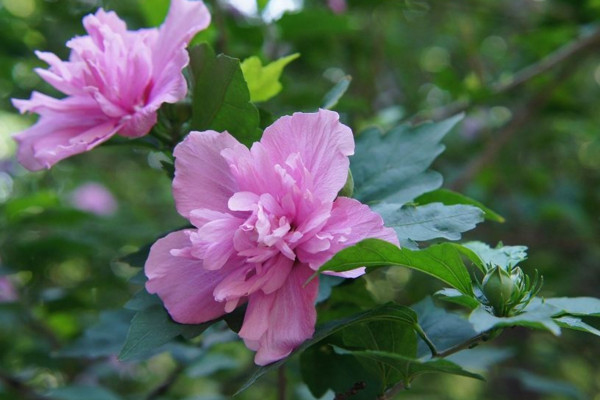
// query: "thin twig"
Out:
[467,344]
[522,116]
[564,53]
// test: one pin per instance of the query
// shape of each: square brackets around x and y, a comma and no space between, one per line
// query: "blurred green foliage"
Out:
[531,153]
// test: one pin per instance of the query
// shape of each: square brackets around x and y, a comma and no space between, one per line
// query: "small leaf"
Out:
[393,167]
[576,305]
[221,100]
[537,316]
[430,221]
[448,197]
[504,256]
[576,324]
[263,81]
[335,94]
[442,261]
[454,296]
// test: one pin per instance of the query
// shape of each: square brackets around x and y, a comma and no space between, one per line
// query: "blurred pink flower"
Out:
[337,6]
[266,219]
[8,293]
[115,81]
[94,198]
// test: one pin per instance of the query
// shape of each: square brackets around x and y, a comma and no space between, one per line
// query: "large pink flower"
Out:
[266,219]
[115,81]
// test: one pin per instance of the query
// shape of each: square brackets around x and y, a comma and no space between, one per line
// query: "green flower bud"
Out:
[498,288]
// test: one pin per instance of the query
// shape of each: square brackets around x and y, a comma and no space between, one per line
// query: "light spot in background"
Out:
[597,74]
[94,198]
[10,124]
[24,75]
[246,7]
[20,8]
[6,186]
[272,12]
[434,59]
[494,46]
[588,154]
[499,116]
[334,74]
[276,8]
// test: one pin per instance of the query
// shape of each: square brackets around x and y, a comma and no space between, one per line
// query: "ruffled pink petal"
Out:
[185,19]
[349,223]
[99,24]
[323,144]
[275,324]
[202,176]
[54,138]
[138,124]
[184,286]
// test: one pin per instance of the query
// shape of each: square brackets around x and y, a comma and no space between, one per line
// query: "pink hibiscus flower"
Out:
[115,81]
[266,219]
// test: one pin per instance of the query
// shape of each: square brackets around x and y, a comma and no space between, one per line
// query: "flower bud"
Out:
[498,288]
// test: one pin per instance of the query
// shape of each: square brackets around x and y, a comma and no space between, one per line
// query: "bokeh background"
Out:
[525,72]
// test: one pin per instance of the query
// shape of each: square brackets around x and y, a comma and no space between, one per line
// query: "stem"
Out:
[428,342]
[464,345]
[281,383]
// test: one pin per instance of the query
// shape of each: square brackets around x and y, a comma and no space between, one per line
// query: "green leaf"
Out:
[443,328]
[150,329]
[456,297]
[409,367]
[105,338]
[335,94]
[263,80]
[430,221]
[480,358]
[220,96]
[78,392]
[388,336]
[503,256]
[442,261]
[576,324]
[142,300]
[576,305]
[393,167]
[323,369]
[387,312]
[537,316]
[448,197]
